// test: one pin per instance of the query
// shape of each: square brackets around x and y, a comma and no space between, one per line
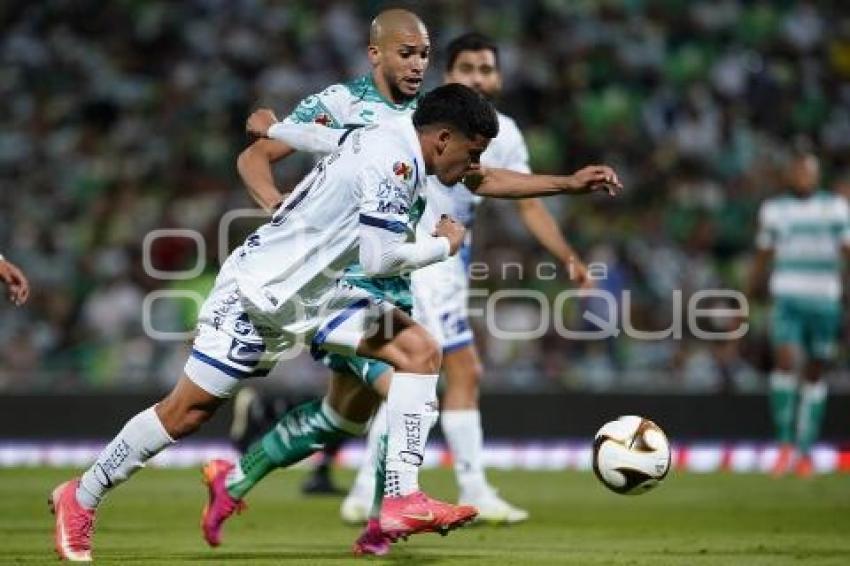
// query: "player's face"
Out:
[458,156]
[477,70]
[402,60]
[805,174]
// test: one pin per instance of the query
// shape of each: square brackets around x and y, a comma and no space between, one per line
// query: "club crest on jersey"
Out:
[403,170]
[322,119]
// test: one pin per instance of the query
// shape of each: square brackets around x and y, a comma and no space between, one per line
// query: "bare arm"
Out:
[504,183]
[545,229]
[255,168]
[760,269]
[278,140]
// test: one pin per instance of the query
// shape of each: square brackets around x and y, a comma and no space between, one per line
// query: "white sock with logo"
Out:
[364,483]
[462,429]
[142,438]
[411,411]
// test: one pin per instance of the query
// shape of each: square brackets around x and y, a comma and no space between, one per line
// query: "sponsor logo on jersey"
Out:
[403,170]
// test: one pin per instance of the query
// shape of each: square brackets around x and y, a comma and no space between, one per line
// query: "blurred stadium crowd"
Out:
[124,117]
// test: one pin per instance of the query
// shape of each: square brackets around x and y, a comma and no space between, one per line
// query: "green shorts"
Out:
[813,326]
[395,290]
[366,369]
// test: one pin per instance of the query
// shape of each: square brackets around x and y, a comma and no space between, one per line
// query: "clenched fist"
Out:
[451,229]
[16,282]
[595,178]
[259,122]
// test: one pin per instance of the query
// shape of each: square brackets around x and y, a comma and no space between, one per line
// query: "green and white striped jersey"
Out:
[806,235]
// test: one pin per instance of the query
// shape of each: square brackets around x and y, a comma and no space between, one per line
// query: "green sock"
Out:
[810,416]
[380,476]
[783,393]
[299,433]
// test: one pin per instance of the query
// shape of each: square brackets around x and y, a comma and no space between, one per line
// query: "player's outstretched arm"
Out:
[545,229]
[504,183]
[15,280]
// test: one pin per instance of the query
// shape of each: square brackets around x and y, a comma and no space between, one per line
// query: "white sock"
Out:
[411,411]
[142,438]
[364,483]
[462,429]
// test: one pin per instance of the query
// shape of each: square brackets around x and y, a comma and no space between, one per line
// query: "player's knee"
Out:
[422,354]
[476,372]
[182,419]
[785,359]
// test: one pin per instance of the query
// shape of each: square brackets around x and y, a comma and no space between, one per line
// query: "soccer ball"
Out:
[631,455]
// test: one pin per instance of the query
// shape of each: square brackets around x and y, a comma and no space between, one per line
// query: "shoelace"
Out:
[82,529]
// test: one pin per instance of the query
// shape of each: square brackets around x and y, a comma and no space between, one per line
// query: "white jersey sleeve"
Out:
[309,137]
[387,190]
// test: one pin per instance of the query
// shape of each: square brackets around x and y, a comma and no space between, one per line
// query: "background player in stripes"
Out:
[803,234]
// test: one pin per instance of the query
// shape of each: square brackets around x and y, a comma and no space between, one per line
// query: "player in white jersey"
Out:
[497,183]
[281,288]
[440,298]
[399,50]
[805,235]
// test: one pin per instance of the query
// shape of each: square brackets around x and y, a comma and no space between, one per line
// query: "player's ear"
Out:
[374,54]
[444,136]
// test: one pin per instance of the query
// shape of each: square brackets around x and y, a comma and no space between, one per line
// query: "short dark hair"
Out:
[472,41]
[459,107]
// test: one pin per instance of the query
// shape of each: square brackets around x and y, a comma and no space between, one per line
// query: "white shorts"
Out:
[231,345]
[440,294]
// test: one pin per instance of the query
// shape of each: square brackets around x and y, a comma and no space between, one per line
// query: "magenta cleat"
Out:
[221,505]
[74,523]
[372,540]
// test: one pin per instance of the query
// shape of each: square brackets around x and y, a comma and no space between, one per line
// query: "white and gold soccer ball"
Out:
[631,455]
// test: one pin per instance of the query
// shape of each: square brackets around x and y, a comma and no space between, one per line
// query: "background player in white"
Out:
[16,282]
[440,298]
[804,233]
[281,289]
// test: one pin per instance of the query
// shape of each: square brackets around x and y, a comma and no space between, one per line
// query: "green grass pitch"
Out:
[691,520]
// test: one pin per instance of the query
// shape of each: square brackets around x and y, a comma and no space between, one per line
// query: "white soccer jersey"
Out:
[361,193]
[806,235]
[441,289]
